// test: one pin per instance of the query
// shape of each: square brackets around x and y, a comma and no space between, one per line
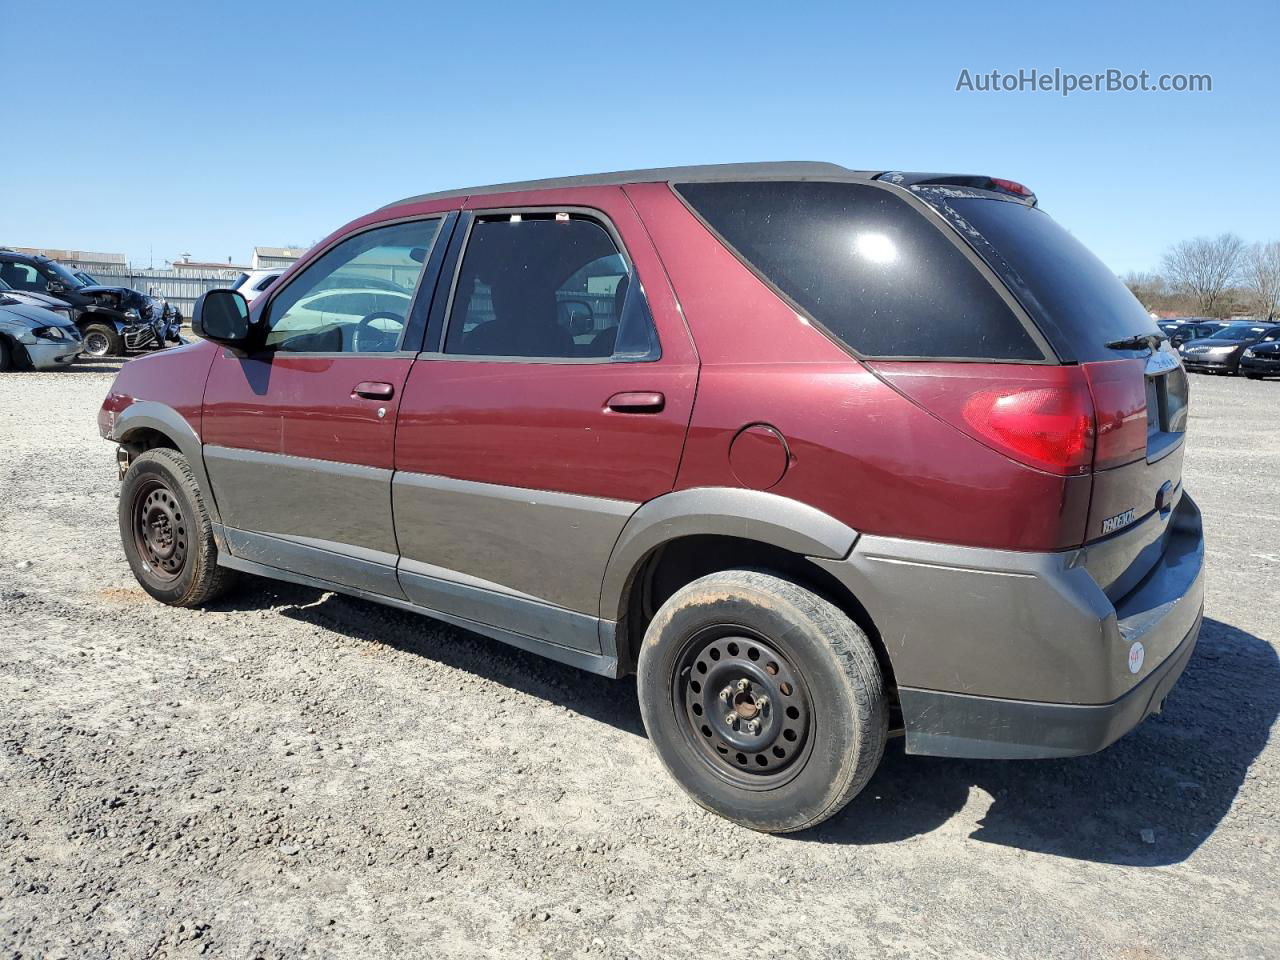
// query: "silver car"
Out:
[33,337]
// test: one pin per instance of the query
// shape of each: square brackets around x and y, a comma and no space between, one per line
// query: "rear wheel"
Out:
[764,701]
[6,355]
[166,531]
[101,340]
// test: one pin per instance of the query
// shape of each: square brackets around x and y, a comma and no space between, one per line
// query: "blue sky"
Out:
[162,129]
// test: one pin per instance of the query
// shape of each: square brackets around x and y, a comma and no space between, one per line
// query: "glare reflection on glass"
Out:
[875,247]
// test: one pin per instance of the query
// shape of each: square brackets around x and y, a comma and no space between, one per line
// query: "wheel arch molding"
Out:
[743,514]
[142,420]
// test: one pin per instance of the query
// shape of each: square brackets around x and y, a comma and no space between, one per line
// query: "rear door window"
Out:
[550,286]
[866,266]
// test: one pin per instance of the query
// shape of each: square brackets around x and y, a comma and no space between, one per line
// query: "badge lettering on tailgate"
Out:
[1112,524]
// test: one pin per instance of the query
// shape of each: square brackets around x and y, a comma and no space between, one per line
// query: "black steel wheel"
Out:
[764,701]
[159,529]
[167,533]
[743,705]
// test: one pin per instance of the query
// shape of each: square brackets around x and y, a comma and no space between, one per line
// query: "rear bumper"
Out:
[955,725]
[1019,655]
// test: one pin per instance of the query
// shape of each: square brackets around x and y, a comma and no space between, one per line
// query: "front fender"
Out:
[719,511]
[146,415]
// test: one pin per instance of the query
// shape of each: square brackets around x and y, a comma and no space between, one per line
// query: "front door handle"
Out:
[644,402]
[373,390]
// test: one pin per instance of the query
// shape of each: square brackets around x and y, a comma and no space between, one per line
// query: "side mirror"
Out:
[56,286]
[222,316]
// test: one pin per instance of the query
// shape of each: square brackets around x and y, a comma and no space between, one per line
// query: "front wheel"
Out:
[764,701]
[166,531]
[101,340]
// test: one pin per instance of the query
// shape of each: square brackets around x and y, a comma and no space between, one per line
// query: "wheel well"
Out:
[670,566]
[142,439]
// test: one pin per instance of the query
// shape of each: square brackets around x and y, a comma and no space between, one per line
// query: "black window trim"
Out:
[591,213]
[1049,357]
[439,241]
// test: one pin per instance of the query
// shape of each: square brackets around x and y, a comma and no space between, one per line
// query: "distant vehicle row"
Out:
[111,320]
[1219,346]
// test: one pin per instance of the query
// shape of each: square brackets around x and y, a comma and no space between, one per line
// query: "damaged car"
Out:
[33,338]
[112,320]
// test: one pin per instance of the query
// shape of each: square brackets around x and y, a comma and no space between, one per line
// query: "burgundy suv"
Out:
[821,455]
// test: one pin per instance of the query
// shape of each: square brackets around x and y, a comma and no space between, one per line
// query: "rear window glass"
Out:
[1078,302]
[867,267]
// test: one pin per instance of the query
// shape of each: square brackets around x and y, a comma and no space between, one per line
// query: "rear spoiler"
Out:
[1006,188]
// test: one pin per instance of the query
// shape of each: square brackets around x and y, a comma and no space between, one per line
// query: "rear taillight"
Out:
[1119,390]
[1046,427]
[1038,415]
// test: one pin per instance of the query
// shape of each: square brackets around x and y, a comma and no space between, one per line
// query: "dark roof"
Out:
[795,169]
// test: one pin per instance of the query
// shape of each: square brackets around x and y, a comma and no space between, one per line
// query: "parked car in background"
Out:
[32,337]
[251,285]
[1180,331]
[1221,351]
[111,319]
[1261,359]
[804,448]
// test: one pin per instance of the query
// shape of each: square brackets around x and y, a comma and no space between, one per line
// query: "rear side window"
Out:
[866,266]
[1072,295]
[549,286]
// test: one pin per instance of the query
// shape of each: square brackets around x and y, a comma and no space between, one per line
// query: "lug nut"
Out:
[726,693]
[730,718]
[761,702]
[744,685]
[753,726]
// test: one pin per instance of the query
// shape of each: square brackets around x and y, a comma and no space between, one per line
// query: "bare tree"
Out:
[1149,288]
[1204,268]
[1261,276]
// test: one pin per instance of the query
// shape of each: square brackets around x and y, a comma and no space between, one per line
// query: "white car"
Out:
[368,321]
[255,282]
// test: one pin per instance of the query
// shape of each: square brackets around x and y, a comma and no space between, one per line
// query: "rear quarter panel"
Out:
[859,450]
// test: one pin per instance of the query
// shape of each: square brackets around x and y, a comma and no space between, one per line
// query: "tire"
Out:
[813,688]
[101,340]
[1254,376]
[6,356]
[166,532]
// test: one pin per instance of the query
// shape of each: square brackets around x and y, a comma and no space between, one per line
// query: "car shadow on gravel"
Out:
[1150,799]
[608,701]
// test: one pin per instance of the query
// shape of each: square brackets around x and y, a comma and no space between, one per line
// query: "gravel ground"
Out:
[294,772]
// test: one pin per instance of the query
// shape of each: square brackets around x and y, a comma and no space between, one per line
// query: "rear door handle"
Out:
[644,402]
[373,390]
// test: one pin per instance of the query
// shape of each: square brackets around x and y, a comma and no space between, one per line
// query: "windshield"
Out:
[1239,331]
[1076,299]
[86,278]
[63,274]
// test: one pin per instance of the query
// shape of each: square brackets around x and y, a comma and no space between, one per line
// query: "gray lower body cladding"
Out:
[956,725]
[1001,654]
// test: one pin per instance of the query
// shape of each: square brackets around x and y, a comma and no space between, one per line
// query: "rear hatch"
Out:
[994,319]
[1138,386]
